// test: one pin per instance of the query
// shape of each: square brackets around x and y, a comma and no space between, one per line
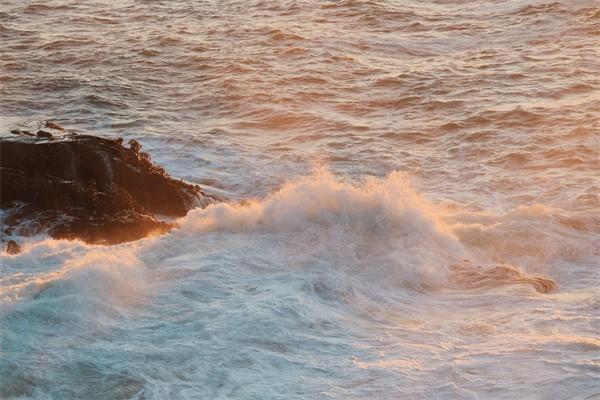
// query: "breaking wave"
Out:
[380,229]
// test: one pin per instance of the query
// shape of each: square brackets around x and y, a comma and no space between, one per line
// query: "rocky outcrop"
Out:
[87,187]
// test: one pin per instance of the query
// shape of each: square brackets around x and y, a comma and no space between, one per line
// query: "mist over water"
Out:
[413,203]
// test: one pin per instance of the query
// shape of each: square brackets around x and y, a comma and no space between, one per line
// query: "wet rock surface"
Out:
[86,187]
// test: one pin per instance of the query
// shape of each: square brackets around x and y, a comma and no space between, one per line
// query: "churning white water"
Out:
[412,201]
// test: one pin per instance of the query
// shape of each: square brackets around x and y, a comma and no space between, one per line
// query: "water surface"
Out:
[381,144]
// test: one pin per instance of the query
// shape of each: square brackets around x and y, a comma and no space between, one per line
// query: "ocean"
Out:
[402,179]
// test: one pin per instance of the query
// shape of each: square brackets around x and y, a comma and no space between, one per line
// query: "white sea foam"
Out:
[379,224]
[379,229]
[106,273]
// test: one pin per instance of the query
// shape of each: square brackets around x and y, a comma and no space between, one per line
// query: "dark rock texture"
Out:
[86,187]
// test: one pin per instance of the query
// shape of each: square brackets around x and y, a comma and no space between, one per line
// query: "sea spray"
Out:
[379,229]
[112,274]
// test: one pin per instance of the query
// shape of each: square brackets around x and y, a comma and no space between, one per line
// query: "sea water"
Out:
[403,180]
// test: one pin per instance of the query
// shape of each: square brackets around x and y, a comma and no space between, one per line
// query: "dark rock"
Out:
[134,146]
[86,187]
[52,125]
[44,134]
[12,247]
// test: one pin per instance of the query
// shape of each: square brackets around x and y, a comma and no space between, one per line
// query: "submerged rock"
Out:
[12,247]
[44,134]
[87,187]
[54,125]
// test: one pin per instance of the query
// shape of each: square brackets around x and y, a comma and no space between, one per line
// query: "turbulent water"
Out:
[413,209]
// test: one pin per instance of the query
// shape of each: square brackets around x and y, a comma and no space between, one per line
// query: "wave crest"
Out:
[379,224]
[380,230]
